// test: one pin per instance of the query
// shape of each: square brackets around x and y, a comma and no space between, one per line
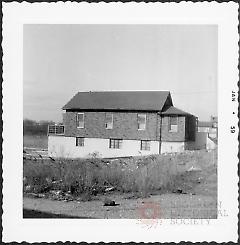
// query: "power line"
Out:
[199,92]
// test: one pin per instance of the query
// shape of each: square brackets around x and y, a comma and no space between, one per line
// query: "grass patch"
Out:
[139,175]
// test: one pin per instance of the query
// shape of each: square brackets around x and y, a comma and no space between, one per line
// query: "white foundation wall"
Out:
[210,144]
[172,147]
[61,146]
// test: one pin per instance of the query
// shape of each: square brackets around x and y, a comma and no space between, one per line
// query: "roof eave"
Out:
[111,109]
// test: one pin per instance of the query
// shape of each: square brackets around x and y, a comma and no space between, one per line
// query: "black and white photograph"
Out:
[119,144]
[121,121]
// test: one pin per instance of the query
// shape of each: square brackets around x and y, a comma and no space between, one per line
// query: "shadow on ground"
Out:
[33,214]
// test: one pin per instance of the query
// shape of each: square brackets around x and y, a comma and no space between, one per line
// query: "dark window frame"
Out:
[173,129]
[81,143]
[83,121]
[108,123]
[115,143]
[138,121]
[145,145]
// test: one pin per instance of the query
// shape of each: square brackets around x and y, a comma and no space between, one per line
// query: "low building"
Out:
[207,134]
[120,124]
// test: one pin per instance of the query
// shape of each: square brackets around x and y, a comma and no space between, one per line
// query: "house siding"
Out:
[62,146]
[124,126]
[178,136]
[172,147]
[190,128]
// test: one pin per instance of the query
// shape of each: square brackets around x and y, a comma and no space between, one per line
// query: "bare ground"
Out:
[193,195]
[158,206]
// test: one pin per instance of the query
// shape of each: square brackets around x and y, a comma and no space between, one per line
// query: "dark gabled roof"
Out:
[174,111]
[119,100]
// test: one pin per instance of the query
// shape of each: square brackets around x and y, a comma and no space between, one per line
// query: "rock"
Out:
[109,189]
[94,192]
[194,169]
[41,195]
[56,192]
[179,191]
[28,188]
[48,180]
[109,202]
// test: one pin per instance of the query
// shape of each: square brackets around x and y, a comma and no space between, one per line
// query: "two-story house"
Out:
[121,123]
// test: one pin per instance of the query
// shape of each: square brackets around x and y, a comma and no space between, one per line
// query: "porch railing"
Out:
[56,129]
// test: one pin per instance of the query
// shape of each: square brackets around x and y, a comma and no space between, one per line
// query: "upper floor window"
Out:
[173,124]
[80,120]
[109,121]
[79,141]
[145,145]
[115,143]
[141,121]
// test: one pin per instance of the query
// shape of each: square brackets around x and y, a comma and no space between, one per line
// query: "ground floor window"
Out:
[79,141]
[115,143]
[145,145]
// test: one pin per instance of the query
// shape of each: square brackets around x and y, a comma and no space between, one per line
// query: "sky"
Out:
[60,60]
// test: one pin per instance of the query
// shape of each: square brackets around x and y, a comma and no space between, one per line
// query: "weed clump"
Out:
[89,177]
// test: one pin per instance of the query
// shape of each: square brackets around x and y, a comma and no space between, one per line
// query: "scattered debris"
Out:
[199,180]
[34,195]
[109,189]
[48,180]
[28,188]
[41,195]
[179,191]
[182,163]
[109,202]
[194,169]
[56,192]
[57,181]
[52,159]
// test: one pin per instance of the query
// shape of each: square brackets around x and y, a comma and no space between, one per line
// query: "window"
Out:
[115,143]
[109,121]
[79,141]
[145,145]
[141,120]
[80,120]
[173,124]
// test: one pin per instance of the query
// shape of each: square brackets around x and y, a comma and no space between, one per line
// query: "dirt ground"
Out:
[164,206]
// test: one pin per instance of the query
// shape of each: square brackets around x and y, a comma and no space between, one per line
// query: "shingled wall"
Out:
[125,127]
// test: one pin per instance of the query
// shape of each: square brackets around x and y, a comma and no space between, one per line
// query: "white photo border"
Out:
[15,228]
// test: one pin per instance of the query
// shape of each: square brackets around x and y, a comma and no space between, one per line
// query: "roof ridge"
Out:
[148,100]
[100,91]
